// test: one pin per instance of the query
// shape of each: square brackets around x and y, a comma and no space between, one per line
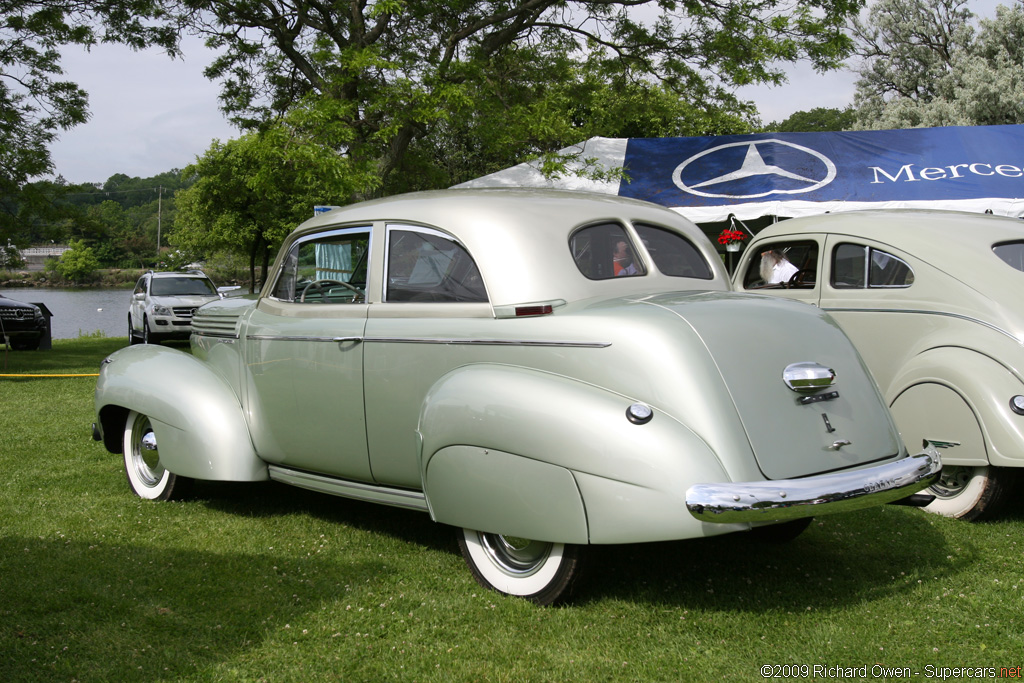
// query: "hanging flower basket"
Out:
[732,239]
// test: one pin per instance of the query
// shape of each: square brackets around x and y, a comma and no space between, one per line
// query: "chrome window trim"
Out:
[867,267]
[367,228]
[410,227]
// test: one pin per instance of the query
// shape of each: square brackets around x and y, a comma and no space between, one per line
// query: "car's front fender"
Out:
[199,424]
[946,391]
[518,451]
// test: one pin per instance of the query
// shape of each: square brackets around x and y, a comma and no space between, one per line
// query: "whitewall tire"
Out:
[538,571]
[146,475]
[970,493]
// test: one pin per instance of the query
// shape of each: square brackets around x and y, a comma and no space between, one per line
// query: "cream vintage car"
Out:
[543,371]
[932,301]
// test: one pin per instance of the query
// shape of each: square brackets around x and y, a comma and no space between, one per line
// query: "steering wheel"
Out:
[319,285]
[798,278]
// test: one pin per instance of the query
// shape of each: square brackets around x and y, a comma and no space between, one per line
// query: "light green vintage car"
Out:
[542,370]
[932,301]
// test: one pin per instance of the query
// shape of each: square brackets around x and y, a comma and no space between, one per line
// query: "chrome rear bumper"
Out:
[784,499]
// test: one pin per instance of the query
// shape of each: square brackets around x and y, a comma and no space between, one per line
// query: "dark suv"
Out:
[22,325]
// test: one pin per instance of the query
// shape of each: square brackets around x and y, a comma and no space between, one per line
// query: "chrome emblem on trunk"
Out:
[808,377]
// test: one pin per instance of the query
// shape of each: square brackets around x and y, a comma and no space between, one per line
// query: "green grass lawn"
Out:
[264,582]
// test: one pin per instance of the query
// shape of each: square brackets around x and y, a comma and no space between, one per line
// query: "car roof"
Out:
[956,243]
[937,237]
[505,229]
[163,274]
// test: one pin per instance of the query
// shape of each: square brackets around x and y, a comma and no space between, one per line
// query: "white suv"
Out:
[163,304]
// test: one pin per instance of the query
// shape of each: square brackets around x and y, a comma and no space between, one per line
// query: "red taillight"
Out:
[533,310]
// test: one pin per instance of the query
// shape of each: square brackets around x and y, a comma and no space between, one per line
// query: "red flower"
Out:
[728,236]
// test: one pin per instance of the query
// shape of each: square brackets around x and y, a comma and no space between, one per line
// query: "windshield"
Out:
[182,286]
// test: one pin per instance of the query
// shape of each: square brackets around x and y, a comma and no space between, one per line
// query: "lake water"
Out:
[77,312]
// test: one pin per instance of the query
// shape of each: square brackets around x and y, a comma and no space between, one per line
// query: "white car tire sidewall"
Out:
[966,500]
[520,585]
[141,487]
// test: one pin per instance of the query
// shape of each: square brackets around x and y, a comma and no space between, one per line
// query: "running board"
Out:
[403,498]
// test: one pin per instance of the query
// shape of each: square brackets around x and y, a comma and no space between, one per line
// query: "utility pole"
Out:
[159,214]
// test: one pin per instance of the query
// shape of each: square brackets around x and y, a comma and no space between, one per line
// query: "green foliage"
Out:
[35,102]
[819,119]
[926,64]
[251,192]
[251,582]
[77,264]
[430,93]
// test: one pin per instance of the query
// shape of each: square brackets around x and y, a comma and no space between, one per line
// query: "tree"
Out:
[400,80]
[819,119]
[927,64]
[35,103]
[251,192]
[78,263]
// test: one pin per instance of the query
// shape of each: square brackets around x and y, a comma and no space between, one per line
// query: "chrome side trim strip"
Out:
[489,342]
[403,498]
[785,499]
[958,316]
[217,335]
[428,340]
[272,337]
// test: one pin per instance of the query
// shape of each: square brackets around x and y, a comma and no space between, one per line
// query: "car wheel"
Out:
[538,571]
[132,337]
[147,338]
[970,493]
[146,475]
[781,533]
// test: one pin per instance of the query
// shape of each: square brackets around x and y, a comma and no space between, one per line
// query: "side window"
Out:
[886,270]
[326,269]
[783,265]
[140,287]
[1012,253]
[856,266]
[848,266]
[673,254]
[604,251]
[426,266]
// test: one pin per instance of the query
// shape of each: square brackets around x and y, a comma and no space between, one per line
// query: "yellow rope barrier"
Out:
[94,374]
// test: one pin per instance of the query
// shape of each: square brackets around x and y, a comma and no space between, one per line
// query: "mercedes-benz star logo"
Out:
[754,169]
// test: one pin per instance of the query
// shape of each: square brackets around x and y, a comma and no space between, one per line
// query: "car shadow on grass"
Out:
[113,611]
[840,560]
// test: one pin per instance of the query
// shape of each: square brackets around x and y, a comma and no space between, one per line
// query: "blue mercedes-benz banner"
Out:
[863,166]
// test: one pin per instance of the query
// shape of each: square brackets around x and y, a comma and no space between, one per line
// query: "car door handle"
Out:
[342,340]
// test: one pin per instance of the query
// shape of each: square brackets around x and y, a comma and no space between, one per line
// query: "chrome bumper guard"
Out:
[785,499]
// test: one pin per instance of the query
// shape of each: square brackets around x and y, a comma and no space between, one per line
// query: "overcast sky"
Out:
[151,114]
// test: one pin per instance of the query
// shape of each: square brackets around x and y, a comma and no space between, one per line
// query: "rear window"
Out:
[604,251]
[673,254]
[1012,253]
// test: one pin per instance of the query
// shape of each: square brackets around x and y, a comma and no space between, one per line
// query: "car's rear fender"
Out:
[522,452]
[198,422]
[985,386]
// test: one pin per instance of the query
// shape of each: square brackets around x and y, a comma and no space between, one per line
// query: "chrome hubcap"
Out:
[514,555]
[952,481]
[145,456]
